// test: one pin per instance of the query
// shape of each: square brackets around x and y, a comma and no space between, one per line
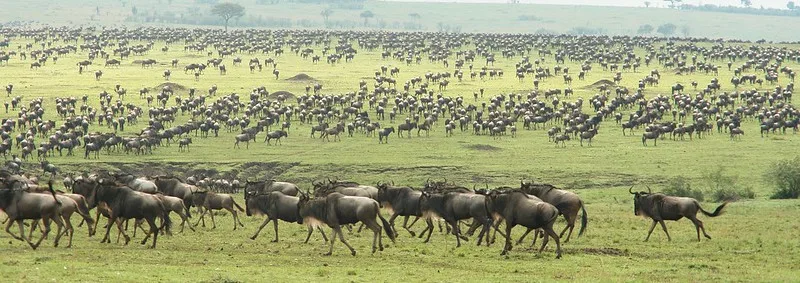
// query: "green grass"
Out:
[754,241]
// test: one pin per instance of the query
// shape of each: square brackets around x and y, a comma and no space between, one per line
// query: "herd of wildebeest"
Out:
[120,197]
[759,92]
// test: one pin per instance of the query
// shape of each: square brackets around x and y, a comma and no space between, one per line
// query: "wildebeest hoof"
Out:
[558,256]
[273,241]
[327,254]
[353,252]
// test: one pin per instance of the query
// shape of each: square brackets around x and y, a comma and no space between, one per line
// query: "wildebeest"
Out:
[337,209]
[567,203]
[400,201]
[276,206]
[517,208]
[243,138]
[276,135]
[69,206]
[209,201]
[184,143]
[175,204]
[263,187]
[174,186]
[384,134]
[125,203]
[137,184]
[19,205]
[453,207]
[660,207]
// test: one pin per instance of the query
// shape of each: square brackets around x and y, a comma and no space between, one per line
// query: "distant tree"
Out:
[228,11]
[366,15]
[647,4]
[134,10]
[747,3]
[645,29]
[667,29]
[791,5]
[326,14]
[672,3]
[685,30]
[416,17]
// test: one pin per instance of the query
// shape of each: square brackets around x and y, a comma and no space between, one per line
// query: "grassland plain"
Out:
[755,240]
[395,15]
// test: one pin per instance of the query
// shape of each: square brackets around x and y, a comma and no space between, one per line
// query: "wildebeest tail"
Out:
[717,212]
[186,206]
[237,206]
[387,227]
[584,220]
[52,192]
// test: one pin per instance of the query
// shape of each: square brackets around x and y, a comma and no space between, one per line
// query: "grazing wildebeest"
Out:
[337,209]
[567,203]
[517,208]
[263,187]
[209,201]
[276,206]
[136,184]
[125,203]
[384,134]
[276,135]
[660,207]
[20,205]
[453,207]
[400,201]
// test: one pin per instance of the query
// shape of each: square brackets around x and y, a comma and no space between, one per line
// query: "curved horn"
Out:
[392,182]
[630,190]
[648,189]
[428,181]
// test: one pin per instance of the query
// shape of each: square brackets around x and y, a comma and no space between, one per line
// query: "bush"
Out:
[680,187]
[725,187]
[785,176]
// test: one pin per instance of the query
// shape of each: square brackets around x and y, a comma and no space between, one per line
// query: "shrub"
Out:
[680,187]
[724,187]
[785,176]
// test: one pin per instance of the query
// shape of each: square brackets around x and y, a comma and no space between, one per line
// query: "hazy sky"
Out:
[633,3]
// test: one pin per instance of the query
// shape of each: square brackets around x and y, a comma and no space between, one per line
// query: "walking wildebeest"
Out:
[125,203]
[276,135]
[69,206]
[20,205]
[276,206]
[263,187]
[568,204]
[209,201]
[660,207]
[174,186]
[136,184]
[173,204]
[400,201]
[337,209]
[517,208]
[453,207]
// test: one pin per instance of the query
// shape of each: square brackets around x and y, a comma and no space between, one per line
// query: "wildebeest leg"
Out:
[324,237]
[333,240]
[376,235]
[275,223]
[405,221]
[202,217]
[360,227]
[664,226]
[153,230]
[456,232]
[185,221]
[507,247]
[429,228]
[266,221]
[699,224]
[341,238]
[570,226]
[310,230]
[549,231]
[69,229]
[651,230]
[528,230]
[8,229]
[487,224]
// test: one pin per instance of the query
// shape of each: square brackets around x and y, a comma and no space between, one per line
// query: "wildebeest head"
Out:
[640,200]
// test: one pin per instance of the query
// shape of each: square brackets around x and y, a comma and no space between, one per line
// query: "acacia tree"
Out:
[326,14]
[367,15]
[791,5]
[228,11]
[416,17]
[647,4]
[666,29]
[746,3]
[645,29]
[672,3]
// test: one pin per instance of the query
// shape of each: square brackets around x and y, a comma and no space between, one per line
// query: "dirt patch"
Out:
[482,147]
[174,86]
[606,251]
[599,83]
[301,77]
[287,95]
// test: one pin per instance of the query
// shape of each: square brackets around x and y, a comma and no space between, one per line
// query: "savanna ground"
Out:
[756,240]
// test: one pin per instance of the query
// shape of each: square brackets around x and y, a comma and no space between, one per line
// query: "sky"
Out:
[629,3]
